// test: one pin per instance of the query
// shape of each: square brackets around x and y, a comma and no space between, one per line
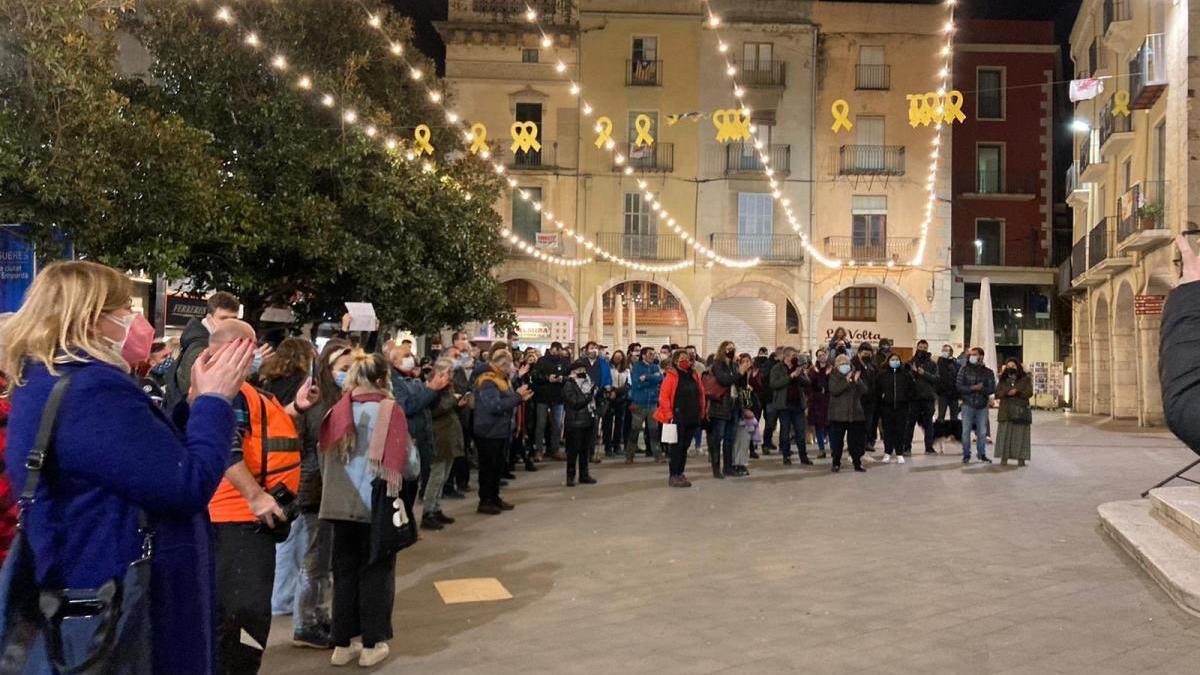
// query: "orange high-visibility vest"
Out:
[271,450]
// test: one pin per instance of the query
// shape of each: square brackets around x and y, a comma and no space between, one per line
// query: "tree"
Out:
[259,191]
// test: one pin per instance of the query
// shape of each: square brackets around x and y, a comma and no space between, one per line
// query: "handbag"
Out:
[1022,415]
[392,526]
[100,631]
[670,433]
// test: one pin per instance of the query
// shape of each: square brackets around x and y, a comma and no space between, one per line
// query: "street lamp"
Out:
[1080,125]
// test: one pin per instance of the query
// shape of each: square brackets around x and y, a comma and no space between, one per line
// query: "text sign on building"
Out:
[547,240]
[1148,305]
[181,309]
[544,330]
[17,268]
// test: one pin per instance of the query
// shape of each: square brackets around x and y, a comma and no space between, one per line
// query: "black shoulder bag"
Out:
[100,631]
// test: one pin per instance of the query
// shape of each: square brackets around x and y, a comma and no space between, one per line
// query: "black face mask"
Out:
[730,354]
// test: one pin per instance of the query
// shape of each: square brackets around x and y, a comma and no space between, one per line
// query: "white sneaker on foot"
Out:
[886,458]
[373,655]
[899,459]
[344,655]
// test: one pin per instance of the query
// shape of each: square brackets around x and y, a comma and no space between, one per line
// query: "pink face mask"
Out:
[139,336]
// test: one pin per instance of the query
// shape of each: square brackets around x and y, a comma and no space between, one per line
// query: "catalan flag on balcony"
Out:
[1085,89]
[644,71]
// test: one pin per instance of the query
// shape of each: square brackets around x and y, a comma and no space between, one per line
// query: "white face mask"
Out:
[973,359]
[844,368]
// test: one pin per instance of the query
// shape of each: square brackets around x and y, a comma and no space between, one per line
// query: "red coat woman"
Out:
[681,401]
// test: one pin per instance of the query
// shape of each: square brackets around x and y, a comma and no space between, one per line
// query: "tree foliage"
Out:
[219,169]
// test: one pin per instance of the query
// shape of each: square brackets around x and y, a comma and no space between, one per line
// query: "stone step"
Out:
[1179,509]
[1170,560]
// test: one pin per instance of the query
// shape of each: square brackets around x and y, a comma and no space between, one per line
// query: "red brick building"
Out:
[1002,173]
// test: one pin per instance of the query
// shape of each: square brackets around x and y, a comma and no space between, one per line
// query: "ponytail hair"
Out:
[368,370]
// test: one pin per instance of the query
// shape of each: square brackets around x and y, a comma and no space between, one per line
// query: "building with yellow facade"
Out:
[1128,191]
[857,198]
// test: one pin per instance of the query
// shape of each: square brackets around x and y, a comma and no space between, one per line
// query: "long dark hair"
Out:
[293,357]
[623,365]
[1020,370]
[335,349]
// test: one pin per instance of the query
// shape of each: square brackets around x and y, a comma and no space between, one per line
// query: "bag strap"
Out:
[40,453]
[262,422]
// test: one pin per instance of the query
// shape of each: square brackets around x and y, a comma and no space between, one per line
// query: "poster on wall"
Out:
[17,267]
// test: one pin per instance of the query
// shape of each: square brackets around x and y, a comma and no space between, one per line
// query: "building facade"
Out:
[1129,192]
[857,197]
[1002,182]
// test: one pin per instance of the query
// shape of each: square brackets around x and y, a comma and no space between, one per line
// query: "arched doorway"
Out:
[656,314]
[1081,360]
[752,314]
[1101,360]
[545,312]
[868,313]
[1124,356]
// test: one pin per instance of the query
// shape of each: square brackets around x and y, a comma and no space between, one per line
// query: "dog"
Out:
[948,430]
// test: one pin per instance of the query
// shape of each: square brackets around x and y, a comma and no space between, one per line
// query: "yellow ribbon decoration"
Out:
[421,134]
[732,125]
[952,107]
[524,135]
[478,138]
[604,129]
[915,105]
[841,115]
[642,123]
[1121,104]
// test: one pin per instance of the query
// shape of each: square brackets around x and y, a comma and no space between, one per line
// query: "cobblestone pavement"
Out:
[931,567]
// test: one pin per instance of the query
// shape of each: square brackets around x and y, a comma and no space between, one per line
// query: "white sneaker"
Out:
[344,655]
[887,458]
[373,655]
[899,459]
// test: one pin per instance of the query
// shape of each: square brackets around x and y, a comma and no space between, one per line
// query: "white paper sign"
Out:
[362,316]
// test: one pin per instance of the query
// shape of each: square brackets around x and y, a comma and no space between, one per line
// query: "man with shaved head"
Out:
[247,518]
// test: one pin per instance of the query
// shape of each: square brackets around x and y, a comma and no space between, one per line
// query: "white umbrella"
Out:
[976,336]
[987,325]
[632,323]
[598,317]
[618,322]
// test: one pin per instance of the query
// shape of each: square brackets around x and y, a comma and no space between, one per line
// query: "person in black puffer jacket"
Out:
[1179,358]
[719,384]
[947,385]
[864,363]
[920,410]
[896,390]
[579,402]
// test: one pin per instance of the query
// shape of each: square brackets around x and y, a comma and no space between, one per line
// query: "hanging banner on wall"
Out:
[547,240]
[17,267]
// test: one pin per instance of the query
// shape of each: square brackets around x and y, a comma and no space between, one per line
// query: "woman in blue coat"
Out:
[116,454]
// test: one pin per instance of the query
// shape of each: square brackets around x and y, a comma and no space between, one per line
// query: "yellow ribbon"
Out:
[841,115]
[1121,104]
[642,123]
[952,107]
[478,138]
[421,134]
[524,135]
[604,131]
[732,125]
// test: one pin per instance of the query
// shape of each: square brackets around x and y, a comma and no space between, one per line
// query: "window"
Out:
[525,221]
[869,236]
[855,304]
[522,293]
[989,168]
[642,157]
[869,130]
[529,56]
[755,224]
[872,68]
[1102,205]
[640,226]
[757,56]
[529,112]
[989,242]
[1126,174]
[1160,152]
[645,48]
[869,55]
[643,62]
[989,99]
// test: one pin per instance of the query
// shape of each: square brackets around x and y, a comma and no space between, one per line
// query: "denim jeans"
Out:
[721,435]
[641,418]
[822,435]
[791,429]
[974,419]
[287,569]
[303,564]
[552,414]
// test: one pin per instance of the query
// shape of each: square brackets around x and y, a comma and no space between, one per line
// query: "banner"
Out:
[547,240]
[17,267]
[1085,90]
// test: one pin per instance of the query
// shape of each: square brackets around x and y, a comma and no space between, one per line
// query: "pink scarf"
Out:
[387,455]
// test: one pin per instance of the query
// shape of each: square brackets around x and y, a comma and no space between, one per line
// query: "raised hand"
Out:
[223,371]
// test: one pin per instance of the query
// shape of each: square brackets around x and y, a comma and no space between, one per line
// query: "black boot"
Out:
[716,467]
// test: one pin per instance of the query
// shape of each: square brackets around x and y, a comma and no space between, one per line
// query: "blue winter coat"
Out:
[601,373]
[494,410]
[116,453]
[645,394]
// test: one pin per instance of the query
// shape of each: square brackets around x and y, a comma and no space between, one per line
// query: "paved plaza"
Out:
[931,567]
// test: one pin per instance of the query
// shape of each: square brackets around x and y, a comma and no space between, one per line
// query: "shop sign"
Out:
[182,309]
[544,329]
[1148,305]
[855,335]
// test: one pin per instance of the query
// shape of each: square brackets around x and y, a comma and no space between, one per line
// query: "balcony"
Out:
[873,77]
[1118,24]
[1077,192]
[642,246]
[1097,58]
[1116,131]
[1078,261]
[898,250]
[657,158]
[743,158]
[557,12]
[1103,258]
[992,184]
[772,249]
[643,73]
[1064,277]
[1091,162]
[871,160]
[762,73]
[1148,73]
[527,160]
[1142,217]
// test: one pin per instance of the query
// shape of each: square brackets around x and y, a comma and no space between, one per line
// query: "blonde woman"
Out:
[364,445]
[115,455]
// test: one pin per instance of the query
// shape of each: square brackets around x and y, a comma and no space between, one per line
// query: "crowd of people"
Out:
[273,479]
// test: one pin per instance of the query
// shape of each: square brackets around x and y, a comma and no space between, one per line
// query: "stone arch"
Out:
[1081,360]
[732,289]
[920,323]
[1125,361]
[545,280]
[585,319]
[1101,358]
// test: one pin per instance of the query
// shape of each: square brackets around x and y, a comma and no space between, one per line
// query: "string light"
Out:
[934,156]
